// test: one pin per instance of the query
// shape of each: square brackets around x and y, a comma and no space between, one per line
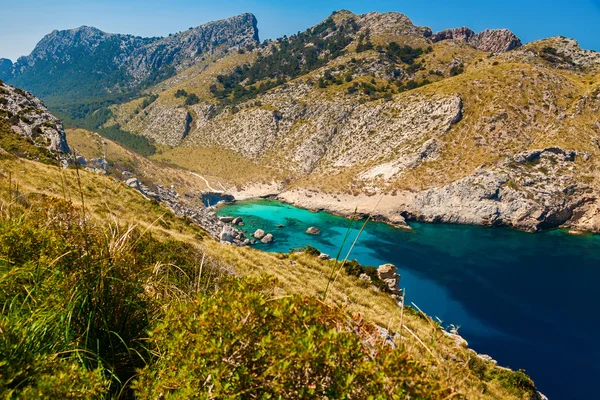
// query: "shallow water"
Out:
[528,300]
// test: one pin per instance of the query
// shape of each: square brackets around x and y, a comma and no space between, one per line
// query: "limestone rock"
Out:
[30,118]
[227,234]
[237,221]
[313,231]
[490,40]
[268,238]
[133,182]
[259,234]
[388,274]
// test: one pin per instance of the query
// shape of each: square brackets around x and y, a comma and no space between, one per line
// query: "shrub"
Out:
[244,342]
[457,70]
[192,99]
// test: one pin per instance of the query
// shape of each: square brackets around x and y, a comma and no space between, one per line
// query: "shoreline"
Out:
[386,208]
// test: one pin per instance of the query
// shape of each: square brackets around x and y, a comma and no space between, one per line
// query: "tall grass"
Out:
[82,296]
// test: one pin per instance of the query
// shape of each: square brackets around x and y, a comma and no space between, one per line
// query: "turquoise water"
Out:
[528,300]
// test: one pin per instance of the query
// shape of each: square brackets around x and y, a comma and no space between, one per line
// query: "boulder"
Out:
[237,221]
[100,163]
[313,231]
[267,239]
[324,256]
[133,182]
[364,277]
[259,234]
[388,274]
[227,234]
[226,220]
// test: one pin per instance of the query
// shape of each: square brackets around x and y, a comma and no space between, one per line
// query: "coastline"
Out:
[399,209]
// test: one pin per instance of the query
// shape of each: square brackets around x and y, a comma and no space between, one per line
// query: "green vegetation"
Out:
[137,143]
[290,58]
[191,98]
[457,70]
[262,345]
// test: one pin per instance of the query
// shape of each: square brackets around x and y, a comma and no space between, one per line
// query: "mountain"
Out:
[85,64]
[451,126]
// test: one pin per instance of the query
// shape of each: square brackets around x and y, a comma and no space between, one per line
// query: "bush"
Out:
[137,143]
[192,99]
[244,342]
[457,70]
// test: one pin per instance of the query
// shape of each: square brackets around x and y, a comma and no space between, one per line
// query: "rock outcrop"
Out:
[388,273]
[313,231]
[259,234]
[490,40]
[28,116]
[533,190]
[267,239]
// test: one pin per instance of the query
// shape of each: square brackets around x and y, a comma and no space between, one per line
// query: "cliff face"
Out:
[28,117]
[86,62]
[495,41]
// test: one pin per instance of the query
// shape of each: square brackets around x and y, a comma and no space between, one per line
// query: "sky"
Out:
[24,22]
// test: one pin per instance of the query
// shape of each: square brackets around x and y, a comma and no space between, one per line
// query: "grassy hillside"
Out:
[120,298]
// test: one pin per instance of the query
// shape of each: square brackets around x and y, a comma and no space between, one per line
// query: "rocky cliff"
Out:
[25,115]
[495,41]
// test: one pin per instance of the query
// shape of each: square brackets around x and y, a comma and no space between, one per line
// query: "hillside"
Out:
[108,294]
[451,126]
[79,70]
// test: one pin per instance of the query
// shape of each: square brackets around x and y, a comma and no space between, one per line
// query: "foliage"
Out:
[148,100]
[457,70]
[78,299]
[75,299]
[516,382]
[137,143]
[289,58]
[245,342]
[192,99]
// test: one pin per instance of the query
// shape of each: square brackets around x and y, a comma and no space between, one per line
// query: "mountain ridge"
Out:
[77,64]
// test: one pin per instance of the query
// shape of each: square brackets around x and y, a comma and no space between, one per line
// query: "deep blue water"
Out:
[528,300]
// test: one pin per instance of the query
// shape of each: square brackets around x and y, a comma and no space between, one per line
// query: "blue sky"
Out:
[24,22]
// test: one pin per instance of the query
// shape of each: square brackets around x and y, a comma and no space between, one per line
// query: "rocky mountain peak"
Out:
[391,23]
[496,41]
[490,40]
[116,62]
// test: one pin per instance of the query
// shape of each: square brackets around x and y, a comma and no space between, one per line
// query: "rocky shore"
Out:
[531,191]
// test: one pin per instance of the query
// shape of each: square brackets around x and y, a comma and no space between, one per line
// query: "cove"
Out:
[528,300]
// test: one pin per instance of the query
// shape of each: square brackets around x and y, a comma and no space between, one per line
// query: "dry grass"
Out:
[91,145]
[222,166]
